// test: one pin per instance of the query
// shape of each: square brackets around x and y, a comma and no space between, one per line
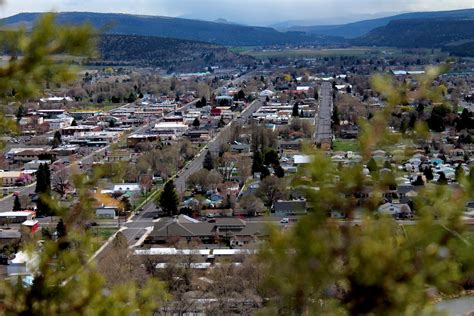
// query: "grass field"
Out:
[345,145]
[328,52]
[312,53]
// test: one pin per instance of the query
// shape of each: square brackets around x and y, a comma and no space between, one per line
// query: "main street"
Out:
[323,133]
[143,222]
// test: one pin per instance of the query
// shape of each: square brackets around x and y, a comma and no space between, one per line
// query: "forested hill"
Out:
[167,53]
[447,34]
[361,28]
[212,32]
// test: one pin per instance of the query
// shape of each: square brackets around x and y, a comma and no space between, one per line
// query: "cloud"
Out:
[245,11]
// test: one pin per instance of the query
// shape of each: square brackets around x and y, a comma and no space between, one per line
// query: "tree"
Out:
[74,122]
[21,112]
[295,112]
[270,156]
[168,199]
[41,185]
[264,172]
[257,162]
[335,117]
[16,204]
[252,205]
[61,229]
[442,178]
[428,172]
[419,181]
[208,162]
[241,95]
[221,122]
[126,205]
[279,172]
[271,189]
[372,165]
[131,98]
[459,173]
[331,268]
[57,139]
[196,123]
[64,280]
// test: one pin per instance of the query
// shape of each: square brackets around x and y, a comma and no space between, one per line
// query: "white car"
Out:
[284,221]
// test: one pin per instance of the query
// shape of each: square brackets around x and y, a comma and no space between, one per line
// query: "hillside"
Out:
[425,33]
[212,32]
[356,29]
[167,53]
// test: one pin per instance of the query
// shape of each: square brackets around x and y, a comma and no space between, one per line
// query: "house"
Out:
[17,217]
[9,237]
[287,208]
[119,155]
[126,187]
[224,230]
[12,178]
[174,129]
[110,212]
[27,155]
[34,164]
[240,148]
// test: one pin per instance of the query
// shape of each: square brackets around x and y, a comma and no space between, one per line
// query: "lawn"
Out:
[346,145]
[103,233]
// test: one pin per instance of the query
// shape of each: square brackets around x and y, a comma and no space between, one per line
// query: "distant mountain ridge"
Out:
[187,29]
[454,35]
[361,28]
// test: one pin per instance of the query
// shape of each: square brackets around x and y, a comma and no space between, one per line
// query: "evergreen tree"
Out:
[40,179]
[335,117]
[131,97]
[61,229]
[168,199]
[419,181]
[372,165]
[221,122]
[257,163]
[21,112]
[208,162]
[270,156]
[17,204]
[442,178]
[203,101]
[241,95]
[279,172]
[316,95]
[74,123]
[57,139]
[295,112]
[459,172]
[428,172]
[196,123]
[264,172]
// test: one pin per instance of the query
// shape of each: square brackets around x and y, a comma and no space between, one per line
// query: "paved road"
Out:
[323,132]
[213,146]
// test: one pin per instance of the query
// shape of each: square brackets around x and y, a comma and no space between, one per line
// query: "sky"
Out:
[254,12]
